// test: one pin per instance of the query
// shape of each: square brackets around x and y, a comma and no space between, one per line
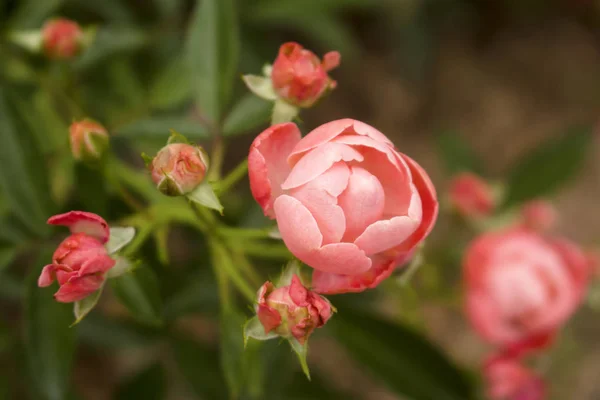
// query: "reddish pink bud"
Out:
[471,196]
[179,168]
[89,140]
[507,379]
[539,215]
[292,310]
[299,77]
[80,261]
[61,38]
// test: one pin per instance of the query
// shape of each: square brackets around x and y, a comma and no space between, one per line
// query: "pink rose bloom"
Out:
[292,310]
[346,202]
[539,215]
[521,287]
[471,196]
[179,168]
[61,38]
[507,379]
[299,77]
[80,261]
[89,139]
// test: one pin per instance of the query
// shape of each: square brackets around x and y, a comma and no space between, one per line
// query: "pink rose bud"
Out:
[80,262]
[507,379]
[471,196]
[299,77]
[346,202]
[179,168]
[539,215]
[89,140]
[292,310]
[521,287]
[61,38]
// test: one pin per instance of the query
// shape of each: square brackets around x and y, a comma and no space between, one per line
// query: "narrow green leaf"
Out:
[101,332]
[457,155]
[7,255]
[212,53]
[83,307]
[232,351]
[301,351]
[551,164]
[149,384]
[139,292]
[119,238]
[177,137]
[172,87]
[32,13]
[49,341]
[160,127]
[205,196]
[248,114]
[110,41]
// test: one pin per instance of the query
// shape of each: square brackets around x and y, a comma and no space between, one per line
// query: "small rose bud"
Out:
[62,38]
[179,168]
[292,311]
[507,379]
[471,196]
[89,140]
[539,215]
[299,77]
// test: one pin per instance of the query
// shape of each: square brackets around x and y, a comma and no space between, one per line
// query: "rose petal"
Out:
[267,163]
[269,317]
[83,222]
[47,276]
[98,264]
[331,60]
[78,288]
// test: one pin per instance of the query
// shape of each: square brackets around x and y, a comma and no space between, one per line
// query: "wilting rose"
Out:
[471,196]
[507,379]
[539,215]
[299,77]
[346,202]
[291,310]
[179,168]
[89,140]
[521,287]
[61,38]
[80,262]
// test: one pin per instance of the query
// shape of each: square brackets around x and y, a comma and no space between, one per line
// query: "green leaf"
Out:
[172,87]
[7,255]
[149,384]
[213,49]
[301,351]
[402,359]
[119,238]
[49,341]
[457,155]
[248,114]
[122,266]
[177,137]
[83,307]
[232,351]
[101,332]
[159,127]
[110,41]
[283,112]
[550,165]
[30,40]
[32,13]
[293,267]
[139,292]
[205,196]
[255,330]
[260,86]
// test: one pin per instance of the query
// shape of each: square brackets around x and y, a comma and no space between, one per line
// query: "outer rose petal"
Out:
[83,222]
[47,276]
[577,262]
[268,317]
[78,288]
[267,163]
[100,263]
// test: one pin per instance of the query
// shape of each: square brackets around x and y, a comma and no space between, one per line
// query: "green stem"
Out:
[266,250]
[216,159]
[245,233]
[233,177]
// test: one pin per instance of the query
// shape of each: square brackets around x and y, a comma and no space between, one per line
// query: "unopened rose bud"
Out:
[179,168]
[62,38]
[299,77]
[507,379]
[471,196]
[292,311]
[539,215]
[89,140]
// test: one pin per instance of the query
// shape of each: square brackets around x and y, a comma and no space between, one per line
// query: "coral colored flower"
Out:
[346,202]
[61,38]
[507,379]
[292,310]
[89,140]
[178,168]
[539,215]
[521,287]
[80,262]
[299,77]
[471,196]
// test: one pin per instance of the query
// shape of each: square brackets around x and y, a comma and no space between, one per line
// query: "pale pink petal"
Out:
[362,202]
[267,163]
[47,276]
[298,293]
[83,222]
[318,161]
[331,60]
[340,258]
[382,147]
[330,283]
[98,263]
[576,261]
[269,317]
[384,235]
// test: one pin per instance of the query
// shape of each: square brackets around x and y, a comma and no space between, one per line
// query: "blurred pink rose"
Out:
[80,261]
[471,196]
[179,168]
[521,287]
[507,379]
[61,38]
[89,139]
[346,202]
[299,77]
[539,215]
[292,310]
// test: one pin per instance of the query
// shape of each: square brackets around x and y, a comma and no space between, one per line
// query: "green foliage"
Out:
[148,384]
[457,155]
[139,292]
